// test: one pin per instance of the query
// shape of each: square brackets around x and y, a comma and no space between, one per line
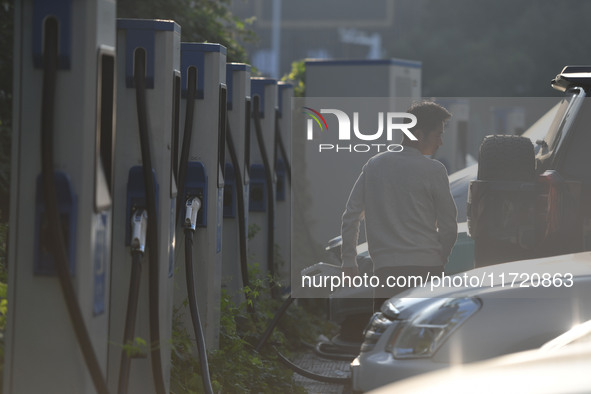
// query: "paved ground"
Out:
[313,363]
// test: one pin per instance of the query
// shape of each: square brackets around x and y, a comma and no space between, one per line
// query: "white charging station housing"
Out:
[42,354]
[205,180]
[160,40]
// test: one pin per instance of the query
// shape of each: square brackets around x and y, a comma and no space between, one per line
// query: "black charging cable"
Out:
[187,134]
[269,181]
[284,360]
[192,208]
[152,232]
[274,322]
[311,375]
[139,225]
[242,235]
[281,145]
[55,231]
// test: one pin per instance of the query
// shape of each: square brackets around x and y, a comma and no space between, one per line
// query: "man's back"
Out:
[406,198]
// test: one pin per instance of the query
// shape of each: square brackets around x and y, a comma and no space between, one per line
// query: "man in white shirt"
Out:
[405,200]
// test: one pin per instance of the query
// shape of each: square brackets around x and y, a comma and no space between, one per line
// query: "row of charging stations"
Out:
[113,115]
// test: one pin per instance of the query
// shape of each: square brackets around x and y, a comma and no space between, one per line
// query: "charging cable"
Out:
[279,144]
[139,226]
[152,231]
[241,212]
[269,181]
[192,207]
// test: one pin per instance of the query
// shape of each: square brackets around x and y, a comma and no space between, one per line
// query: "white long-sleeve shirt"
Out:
[410,215]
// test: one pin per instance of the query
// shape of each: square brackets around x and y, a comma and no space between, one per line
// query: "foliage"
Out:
[3,277]
[137,348]
[236,366]
[253,229]
[3,251]
[200,21]
[3,294]
[297,77]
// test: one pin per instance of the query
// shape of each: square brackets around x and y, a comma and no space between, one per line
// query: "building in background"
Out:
[335,29]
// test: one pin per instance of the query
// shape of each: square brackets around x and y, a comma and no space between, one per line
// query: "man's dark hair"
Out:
[429,115]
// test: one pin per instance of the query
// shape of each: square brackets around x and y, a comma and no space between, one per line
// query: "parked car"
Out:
[579,334]
[560,366]
[515,306]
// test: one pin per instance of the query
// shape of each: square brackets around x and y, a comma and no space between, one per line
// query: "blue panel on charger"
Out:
[141,33]
[257,200]
[257,88]
[62,11]
[229,192]
[67,206]
[196,186]
[136,197]
[193,55]
[280,188]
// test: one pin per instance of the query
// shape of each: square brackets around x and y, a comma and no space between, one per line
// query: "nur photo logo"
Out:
[316,116]
[347,130]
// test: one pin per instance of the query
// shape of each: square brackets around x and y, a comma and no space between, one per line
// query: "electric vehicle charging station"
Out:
[262,173]
[205,66]
[238,133]
[283,187]
[148,77]
[63,113]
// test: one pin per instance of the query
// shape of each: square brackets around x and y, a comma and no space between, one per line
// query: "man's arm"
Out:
[447,214]
[352,217]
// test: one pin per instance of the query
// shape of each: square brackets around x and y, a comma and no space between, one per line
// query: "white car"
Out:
[560,366]
[493,311]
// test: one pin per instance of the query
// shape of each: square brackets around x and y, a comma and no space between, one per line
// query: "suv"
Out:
[526,205]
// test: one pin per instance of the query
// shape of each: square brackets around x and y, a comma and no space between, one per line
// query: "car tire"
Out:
[506,158]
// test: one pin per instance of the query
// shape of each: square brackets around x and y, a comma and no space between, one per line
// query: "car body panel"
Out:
[512,318]
[561,371]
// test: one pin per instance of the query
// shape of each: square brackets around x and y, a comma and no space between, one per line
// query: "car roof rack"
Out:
[571,76]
